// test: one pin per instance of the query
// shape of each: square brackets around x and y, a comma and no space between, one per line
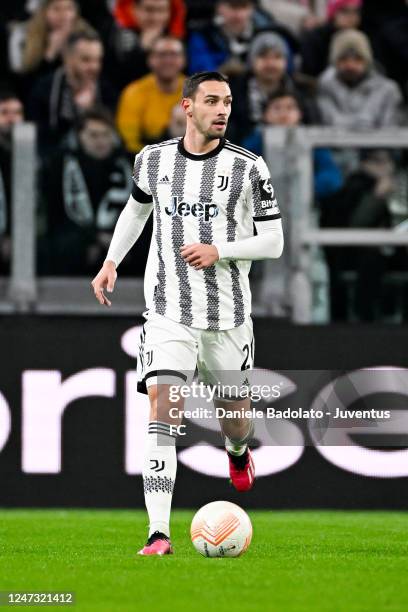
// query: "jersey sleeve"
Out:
[141,191]
[261,198]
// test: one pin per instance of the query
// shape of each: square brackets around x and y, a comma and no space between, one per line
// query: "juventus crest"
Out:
[224,180]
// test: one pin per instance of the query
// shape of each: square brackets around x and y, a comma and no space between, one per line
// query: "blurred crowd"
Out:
[103,78]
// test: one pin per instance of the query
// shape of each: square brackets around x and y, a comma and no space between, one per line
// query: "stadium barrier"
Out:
[280,288]
[288,153]
[18,291]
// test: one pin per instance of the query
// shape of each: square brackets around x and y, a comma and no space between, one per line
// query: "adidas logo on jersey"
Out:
[164,180]
[206,212]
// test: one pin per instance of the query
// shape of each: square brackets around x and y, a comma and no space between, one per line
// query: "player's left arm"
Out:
[267,244]
[261,200]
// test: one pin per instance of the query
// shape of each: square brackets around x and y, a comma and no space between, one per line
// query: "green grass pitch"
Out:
[298,561]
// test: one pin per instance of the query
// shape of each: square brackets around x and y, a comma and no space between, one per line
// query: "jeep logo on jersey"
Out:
[183,209]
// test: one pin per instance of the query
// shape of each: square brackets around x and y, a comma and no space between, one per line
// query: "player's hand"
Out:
[199,255]
[105,279]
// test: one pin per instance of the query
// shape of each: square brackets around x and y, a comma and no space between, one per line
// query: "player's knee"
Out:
[161,408]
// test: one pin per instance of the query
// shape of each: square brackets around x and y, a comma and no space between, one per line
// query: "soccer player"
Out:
[206,195]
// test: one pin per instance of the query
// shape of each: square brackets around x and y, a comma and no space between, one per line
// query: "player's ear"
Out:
[186,104]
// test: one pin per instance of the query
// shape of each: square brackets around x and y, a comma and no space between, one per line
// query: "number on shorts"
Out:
[248,352]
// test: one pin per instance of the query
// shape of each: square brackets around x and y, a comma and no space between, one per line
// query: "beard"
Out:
[210,132]
[211,135]
[351,78]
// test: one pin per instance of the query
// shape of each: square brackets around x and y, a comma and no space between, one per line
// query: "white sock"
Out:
[238,447]
[235,449]
[159,474]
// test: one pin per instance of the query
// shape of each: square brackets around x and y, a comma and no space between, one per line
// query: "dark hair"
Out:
[97,113]
[77,37]
[284,92]
[8,94]
[191,84]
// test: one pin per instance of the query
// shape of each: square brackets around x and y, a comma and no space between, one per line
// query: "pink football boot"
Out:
[157,544]
[242,471]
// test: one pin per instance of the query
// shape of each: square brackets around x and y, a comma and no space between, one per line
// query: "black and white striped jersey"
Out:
[205,198]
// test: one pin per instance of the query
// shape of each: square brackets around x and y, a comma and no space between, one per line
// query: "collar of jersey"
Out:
[212,153]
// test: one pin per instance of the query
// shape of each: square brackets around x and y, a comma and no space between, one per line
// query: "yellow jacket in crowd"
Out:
[144,111]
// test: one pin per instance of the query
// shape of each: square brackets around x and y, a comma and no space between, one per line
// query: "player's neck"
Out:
[197,144]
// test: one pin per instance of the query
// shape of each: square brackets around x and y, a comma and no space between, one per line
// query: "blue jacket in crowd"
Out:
[327,176]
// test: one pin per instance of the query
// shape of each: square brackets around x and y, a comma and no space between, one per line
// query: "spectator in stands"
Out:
[386,24]
[374,196]
[199,13]
[59,98]
[177,125]
[13,18]
[352,94]
[223,45]
[145,106]
[135,14]
[268,62]
[11,112]
[84,188]
[33,34]
[47,33]
[284,108]
[20,10]
[295,14]
[128,47]
[315,43]
[98,13]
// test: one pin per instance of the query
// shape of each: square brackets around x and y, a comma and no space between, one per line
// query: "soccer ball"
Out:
[221,529]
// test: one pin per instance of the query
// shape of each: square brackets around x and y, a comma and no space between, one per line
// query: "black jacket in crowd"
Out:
[81,199]
[51,106]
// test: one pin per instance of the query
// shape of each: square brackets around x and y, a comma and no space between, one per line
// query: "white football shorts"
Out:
[170,352]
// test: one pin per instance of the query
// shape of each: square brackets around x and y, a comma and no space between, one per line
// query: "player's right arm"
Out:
[128,228]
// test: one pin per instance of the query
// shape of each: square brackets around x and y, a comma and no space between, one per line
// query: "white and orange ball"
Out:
[221,529]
